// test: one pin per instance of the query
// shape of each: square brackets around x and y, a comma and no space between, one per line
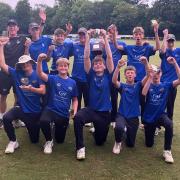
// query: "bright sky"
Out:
[51,3]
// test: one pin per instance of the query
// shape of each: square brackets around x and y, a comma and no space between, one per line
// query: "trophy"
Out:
[25,81]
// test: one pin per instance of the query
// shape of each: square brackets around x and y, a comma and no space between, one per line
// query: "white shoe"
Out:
[48,147]
[168,156]
[18,123]
[113,124]
[157,131]
[88,124]
[92,130]
[141,126]
[81,154]
[10,148]
[116,148]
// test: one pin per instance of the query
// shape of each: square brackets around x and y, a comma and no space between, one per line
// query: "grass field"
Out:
[29,162]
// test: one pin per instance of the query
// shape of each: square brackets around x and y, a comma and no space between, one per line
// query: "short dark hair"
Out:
[59,31]
[131,68]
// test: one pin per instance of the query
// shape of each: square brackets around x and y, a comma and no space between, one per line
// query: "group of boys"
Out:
[44,98]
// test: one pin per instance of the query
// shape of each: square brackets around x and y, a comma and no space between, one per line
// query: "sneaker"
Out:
[92,130]
[88,124]
[168,156]
[48,147]
[116,148]
[10,148]
[113,124]
[157,131]
[81,154]
[141,126]
[18,123]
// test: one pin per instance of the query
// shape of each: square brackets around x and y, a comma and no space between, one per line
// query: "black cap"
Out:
[33,25]
[12,22]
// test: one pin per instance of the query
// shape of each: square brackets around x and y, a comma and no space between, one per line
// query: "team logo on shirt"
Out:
[25,81]
[70,88]
[58,84]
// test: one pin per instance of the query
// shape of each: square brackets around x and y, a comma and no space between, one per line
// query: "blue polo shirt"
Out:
[133,55]
[60,95]
[28,101]
[168,70]
[156,101]
[130,100]
[99,91]
[38,47]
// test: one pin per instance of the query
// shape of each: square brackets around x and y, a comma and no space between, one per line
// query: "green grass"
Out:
[29,162]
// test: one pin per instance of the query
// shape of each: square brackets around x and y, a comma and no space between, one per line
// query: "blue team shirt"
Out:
[60,95]
[130,100]
[78,71]
[28,101]
[133,55]
[168,70]
[99,91]
[38,47]
[61,50]
[116,53]
[156,101]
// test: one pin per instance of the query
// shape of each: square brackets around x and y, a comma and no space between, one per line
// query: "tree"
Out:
[23,15]
[5,13]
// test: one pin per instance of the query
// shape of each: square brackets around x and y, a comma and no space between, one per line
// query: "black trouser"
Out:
[151,127]
[83,90]
[170,102]
[101,121]
[114,101]
[61,124]
[126,127]
[31,121]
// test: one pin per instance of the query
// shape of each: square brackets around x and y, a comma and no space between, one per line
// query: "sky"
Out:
[50,3]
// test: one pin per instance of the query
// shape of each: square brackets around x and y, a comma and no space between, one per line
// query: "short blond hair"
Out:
[61,61]
[138,29]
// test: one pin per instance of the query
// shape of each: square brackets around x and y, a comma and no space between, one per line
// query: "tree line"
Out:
[126,14]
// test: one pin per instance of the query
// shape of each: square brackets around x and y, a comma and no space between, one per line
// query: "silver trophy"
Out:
[25,81]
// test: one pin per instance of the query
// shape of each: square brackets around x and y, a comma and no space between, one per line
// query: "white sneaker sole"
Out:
[10,152]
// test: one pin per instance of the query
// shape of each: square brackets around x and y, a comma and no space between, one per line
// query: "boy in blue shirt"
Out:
[127,120]
[63,90]
[117,55]
[59,48]
[168,74]
[29,89]
[135,52]
[156,93]
[99,107]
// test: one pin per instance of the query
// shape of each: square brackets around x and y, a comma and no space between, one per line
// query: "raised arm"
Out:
[172,61]
[87,61]
[156,28]
[109,61]
[144,61]
[42,15]
[39,69]
[68,29]
[27,45]
[114,32]
[3,65]
[115,80]
[147,84]
[164,43]
[49,53]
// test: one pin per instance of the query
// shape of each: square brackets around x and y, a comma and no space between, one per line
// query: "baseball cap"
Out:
[12,22]
[171,37]
[22,60]
[82,30]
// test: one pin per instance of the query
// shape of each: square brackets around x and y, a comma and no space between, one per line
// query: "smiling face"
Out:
[59,38]
[138,37]
[98,65]
[12,30]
